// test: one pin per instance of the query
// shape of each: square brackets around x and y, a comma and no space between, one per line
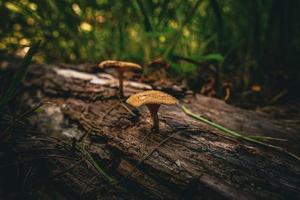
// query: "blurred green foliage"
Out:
[248,38]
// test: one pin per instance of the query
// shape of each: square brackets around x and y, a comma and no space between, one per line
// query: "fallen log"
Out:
[185,160]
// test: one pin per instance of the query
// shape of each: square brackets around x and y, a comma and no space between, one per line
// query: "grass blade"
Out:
[95,164]
[235,134]
[18,77]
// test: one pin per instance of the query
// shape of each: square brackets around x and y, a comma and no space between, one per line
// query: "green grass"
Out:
[234,134]
[94,163]
[17,78]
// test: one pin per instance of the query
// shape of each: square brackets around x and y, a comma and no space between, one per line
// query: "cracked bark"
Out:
[198,162]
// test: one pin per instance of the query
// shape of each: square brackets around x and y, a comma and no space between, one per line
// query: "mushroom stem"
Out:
[153,109]
[121,83]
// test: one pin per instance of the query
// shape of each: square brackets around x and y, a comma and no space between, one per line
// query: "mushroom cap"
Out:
[151,97]
[118,65]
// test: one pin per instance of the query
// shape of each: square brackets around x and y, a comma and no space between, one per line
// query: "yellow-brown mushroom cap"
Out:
[118,65]
[151,97]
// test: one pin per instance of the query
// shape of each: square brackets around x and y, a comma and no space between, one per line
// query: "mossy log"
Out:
[185,160]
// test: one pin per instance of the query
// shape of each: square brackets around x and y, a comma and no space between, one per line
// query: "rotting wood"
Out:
[197,162]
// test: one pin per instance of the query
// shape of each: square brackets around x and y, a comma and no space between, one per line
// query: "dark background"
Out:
[253,45]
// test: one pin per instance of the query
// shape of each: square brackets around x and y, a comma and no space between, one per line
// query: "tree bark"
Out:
[185,160]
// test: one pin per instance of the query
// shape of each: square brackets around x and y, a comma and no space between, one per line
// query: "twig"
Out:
[116,105]
[126,108]
[278,96]
[267,138]
[87,185]
[66,170]
[148,155]
[109,110]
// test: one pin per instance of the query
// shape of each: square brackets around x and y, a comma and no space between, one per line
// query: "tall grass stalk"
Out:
[17,78]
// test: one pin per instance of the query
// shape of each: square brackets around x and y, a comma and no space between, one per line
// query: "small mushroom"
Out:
[121,67]
[152,99]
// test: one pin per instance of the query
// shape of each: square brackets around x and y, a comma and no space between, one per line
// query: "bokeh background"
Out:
[253,44]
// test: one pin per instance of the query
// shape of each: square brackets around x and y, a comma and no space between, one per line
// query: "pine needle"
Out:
[91,160]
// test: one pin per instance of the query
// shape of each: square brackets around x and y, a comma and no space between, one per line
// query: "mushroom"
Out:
[121,67]
[152,99]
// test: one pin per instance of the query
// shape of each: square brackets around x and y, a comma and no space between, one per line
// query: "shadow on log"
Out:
[186,160]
